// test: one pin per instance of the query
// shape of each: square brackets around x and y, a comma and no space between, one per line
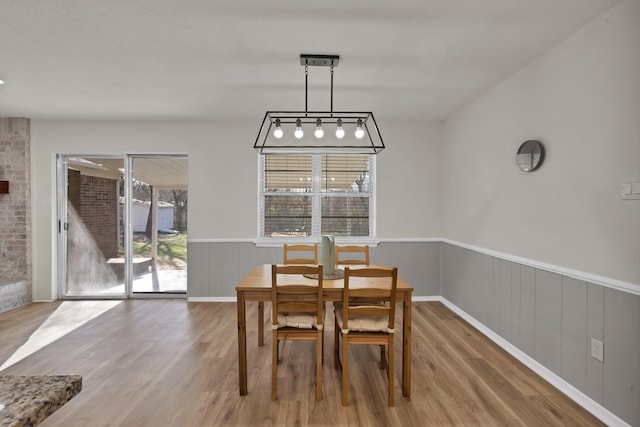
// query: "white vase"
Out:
[328,254]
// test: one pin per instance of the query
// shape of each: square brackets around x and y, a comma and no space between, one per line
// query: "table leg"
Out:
[242,342]
[260,323]
[406,347]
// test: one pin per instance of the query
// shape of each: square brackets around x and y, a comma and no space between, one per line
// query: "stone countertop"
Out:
[28,400]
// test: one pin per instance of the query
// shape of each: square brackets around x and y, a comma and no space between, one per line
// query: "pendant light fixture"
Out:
[298,132]
[277,132]
[319,133]
[339,129]
[359,130]
[285,131]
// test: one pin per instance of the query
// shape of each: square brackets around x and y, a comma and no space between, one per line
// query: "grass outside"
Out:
[172,250]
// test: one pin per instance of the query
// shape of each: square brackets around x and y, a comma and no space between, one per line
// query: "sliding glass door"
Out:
[121,225]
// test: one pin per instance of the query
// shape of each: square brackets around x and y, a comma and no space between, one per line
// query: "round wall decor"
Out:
[530,155]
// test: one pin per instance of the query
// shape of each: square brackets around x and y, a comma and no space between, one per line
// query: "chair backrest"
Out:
[293,295]
[295,258]
[361,259]
[381,286]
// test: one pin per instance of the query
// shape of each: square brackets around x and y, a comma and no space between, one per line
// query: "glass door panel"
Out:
[91,262]
[159,224]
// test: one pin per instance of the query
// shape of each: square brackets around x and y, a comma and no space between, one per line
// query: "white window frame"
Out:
[316,201]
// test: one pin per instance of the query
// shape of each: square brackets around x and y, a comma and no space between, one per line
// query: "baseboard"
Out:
[599,411]
[211,299]
[426,298]
[233,299]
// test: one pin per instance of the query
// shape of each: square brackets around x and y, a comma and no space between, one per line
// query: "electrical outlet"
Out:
[597,349]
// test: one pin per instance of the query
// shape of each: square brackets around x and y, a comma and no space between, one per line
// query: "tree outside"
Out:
[172,247]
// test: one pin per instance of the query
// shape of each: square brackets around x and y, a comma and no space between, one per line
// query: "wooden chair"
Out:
[296,259]
[297,314]
[366,323]
[362,259]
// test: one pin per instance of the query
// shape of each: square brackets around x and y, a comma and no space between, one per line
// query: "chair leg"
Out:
[383,358]
[274,364]
[345,365]
[390,370]
[260,323]
[336,345]
[322,347]
[319,360]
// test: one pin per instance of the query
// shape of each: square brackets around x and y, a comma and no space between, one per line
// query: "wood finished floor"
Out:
[174,363]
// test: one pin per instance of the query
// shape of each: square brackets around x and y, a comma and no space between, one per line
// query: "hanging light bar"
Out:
[284,131]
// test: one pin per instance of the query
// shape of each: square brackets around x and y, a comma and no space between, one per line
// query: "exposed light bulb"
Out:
[339,130]
[319,133]
[298,133]
[359,130]
[277,132]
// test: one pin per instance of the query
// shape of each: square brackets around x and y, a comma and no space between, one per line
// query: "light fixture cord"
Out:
[331,88]
[306,87]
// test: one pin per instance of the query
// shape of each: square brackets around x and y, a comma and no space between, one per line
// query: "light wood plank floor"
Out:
[174,363]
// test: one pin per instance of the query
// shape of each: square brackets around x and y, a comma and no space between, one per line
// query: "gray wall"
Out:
[582,100]
[552,318]
[215,268]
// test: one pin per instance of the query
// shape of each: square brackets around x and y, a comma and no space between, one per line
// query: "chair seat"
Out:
[297,320]
[363,323]
[337,305]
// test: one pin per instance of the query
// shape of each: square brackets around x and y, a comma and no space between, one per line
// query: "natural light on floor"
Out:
[67,318]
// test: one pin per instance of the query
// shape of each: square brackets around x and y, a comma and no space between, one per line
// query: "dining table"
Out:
[256,287]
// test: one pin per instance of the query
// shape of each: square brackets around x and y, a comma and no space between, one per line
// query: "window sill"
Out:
[272,242]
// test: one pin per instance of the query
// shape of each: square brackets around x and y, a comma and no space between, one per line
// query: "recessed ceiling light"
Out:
[1,82]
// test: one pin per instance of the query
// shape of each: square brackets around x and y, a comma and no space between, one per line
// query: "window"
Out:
[307,195]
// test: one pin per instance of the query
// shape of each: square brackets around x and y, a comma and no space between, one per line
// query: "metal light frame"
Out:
[267,143]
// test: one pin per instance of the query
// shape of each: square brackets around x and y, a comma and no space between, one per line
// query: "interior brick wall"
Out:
[15,212]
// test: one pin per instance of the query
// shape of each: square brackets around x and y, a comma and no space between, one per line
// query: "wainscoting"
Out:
[548,316]
[552,318]
[216,267]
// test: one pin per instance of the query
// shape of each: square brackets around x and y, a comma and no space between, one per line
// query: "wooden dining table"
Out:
[256,286]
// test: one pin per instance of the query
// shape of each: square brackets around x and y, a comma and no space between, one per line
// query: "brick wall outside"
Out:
[15,212]
[98,211]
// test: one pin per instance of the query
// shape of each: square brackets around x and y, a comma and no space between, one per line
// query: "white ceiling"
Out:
[204,59]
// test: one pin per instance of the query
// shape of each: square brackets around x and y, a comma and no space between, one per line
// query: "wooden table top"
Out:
[260,279]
